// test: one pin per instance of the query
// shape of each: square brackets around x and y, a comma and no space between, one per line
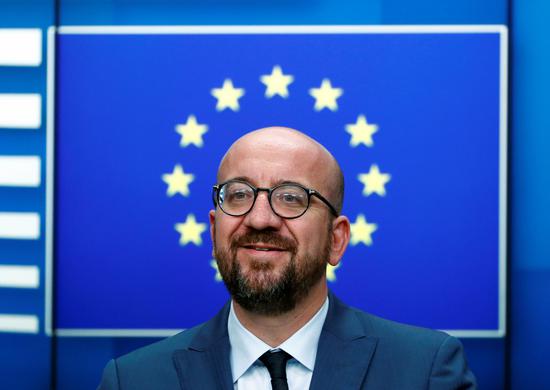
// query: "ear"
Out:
[212,219]
[340,239]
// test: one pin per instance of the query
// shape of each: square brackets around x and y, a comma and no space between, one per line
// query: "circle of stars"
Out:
[278,84]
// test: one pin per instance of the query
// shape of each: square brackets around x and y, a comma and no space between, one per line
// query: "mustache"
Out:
[266,237]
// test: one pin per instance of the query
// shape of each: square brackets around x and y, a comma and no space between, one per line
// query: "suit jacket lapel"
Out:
[205,363]
[345,350]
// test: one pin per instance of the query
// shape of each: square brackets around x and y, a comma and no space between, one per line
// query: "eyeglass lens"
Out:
[236,198]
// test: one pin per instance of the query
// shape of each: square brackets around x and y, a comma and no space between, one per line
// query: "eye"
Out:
[291,197]
[239,195]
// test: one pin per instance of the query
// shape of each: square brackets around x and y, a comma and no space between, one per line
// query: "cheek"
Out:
[225,228]
[308,235]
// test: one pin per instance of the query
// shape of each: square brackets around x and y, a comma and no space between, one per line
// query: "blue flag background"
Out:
[428,250]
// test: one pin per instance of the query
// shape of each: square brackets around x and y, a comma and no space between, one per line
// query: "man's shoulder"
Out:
[384,328]
[148,367]
[160,350]
[154,366]
[418,354]
[390,336]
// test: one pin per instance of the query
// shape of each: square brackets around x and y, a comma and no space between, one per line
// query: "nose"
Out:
[262,216]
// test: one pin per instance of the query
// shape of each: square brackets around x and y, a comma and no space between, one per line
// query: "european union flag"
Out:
[414,116]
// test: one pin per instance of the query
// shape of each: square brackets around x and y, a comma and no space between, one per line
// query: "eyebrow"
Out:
[240,178]
[277,183]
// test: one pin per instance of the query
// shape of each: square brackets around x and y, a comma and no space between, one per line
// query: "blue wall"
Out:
[530,208]
[78,361]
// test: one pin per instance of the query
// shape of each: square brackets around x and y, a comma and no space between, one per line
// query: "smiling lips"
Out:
[263,248]
[264,244]
[264,252]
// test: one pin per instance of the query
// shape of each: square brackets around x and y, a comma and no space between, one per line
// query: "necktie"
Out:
[275,362]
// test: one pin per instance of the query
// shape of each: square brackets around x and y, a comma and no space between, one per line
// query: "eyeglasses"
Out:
[289,201]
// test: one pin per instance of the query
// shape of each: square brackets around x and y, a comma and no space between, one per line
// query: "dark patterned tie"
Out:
[275,362]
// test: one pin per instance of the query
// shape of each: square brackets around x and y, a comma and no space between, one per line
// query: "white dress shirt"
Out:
[250,374]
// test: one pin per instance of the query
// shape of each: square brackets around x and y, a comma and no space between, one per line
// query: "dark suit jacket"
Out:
[356,351]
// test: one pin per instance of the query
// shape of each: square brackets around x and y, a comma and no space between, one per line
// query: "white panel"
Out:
[20,47]
[20,171]
[20,110]
[20,225]
[18,323]
[19,276]
[49,163]
[279,29]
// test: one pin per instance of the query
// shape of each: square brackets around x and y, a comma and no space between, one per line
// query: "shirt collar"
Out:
[246,348]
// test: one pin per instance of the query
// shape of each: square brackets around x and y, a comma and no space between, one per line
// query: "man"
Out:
[275,226]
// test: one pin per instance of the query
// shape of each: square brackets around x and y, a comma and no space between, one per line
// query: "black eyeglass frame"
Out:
[256,190]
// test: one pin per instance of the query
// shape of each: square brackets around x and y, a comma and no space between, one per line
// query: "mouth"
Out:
[263,248]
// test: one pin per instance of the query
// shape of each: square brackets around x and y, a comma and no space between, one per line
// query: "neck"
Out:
[274,330]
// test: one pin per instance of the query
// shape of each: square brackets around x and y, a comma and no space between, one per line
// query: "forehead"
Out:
[271,160]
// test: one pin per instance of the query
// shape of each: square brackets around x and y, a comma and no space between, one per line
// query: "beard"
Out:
[264,292]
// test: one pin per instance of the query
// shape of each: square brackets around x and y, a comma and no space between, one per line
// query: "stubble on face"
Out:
[261,290]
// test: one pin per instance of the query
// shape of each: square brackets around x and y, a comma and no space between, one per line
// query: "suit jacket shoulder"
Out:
[163,365]
[149,367]
[399,334]
[377,353]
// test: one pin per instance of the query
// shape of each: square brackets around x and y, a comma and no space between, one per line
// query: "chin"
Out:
[263,278]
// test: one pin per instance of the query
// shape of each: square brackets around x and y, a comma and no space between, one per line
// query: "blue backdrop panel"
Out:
[433,259]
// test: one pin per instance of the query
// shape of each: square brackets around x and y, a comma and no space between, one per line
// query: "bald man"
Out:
[276,225]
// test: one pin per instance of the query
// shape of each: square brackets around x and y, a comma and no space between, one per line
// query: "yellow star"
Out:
[374,181]
[325,96]
[191,132]
[190,231]
[218,276]
[361,231]
[331,271]
[277,83]
[178,181]
[228,96]
[361,132]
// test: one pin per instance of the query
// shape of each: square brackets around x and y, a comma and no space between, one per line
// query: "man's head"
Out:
[270,263]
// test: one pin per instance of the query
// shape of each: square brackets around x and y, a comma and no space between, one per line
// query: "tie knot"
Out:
[275,362]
